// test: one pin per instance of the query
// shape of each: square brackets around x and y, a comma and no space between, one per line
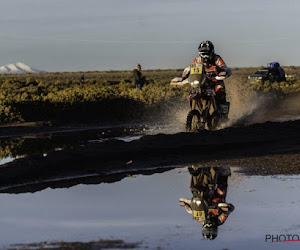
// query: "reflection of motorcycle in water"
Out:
[208,204]
[206,112]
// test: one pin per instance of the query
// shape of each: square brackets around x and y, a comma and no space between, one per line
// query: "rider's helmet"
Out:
[209,232]
[206,51]
[210,228]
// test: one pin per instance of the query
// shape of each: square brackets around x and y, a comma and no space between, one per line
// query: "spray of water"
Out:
[246,107]
[249,107]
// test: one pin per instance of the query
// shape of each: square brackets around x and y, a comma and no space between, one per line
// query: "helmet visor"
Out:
[204,54]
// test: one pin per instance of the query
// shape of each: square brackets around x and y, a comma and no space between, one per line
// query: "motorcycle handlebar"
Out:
[207,80]
[220,78]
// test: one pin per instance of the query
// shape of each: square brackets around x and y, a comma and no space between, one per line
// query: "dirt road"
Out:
[264,148]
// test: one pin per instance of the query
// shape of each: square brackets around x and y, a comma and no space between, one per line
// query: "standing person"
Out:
[139,79]
[82,79]
[215,68]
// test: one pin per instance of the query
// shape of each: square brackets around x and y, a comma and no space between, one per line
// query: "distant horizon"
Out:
[116,70]
[133,67]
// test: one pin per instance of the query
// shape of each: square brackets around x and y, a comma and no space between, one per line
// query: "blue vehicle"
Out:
[273,73]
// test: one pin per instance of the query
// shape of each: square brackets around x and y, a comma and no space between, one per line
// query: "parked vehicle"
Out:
[179,81]
[273,72]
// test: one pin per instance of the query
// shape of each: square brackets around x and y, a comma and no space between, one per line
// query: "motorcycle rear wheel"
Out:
[193,121]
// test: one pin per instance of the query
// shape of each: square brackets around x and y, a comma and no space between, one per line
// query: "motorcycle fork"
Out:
[205,109]
[194,102]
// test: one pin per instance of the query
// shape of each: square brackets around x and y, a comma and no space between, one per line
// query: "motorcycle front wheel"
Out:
[216,120]
[193,121]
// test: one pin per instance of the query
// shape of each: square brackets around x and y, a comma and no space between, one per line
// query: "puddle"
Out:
[131,133]
[6,160]
[11,148]
[146,209]
[121,138]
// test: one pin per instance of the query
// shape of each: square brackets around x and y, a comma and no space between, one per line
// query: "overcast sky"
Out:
[76,35]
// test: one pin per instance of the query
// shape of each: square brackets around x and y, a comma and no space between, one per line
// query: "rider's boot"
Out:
[223,104]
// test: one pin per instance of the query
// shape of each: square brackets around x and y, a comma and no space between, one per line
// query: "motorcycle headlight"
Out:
[198,202]
[195,82]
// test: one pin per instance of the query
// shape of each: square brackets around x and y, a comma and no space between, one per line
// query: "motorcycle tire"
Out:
[193,121]
[214,121]
[217,120]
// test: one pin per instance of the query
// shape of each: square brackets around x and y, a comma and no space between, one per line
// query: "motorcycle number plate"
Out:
[196,70]
[198,214]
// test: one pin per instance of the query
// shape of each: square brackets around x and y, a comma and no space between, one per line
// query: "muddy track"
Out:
[101,161]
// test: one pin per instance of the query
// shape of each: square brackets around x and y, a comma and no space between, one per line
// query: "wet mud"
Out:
[268,148]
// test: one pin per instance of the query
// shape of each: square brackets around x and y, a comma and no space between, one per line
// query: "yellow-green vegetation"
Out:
[288,87]
[103,96]
[292,85]
[62,96]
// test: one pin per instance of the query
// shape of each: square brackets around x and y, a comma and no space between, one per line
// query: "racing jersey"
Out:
[217,68]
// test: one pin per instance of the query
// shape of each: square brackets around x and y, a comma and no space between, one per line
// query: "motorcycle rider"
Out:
[214,67]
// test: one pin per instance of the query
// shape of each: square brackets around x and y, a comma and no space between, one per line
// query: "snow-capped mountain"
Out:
[18,68]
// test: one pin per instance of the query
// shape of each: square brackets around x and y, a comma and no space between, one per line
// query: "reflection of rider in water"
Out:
[208,205]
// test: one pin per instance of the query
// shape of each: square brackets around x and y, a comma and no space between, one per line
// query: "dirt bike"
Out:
[205,112]
[206,195]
